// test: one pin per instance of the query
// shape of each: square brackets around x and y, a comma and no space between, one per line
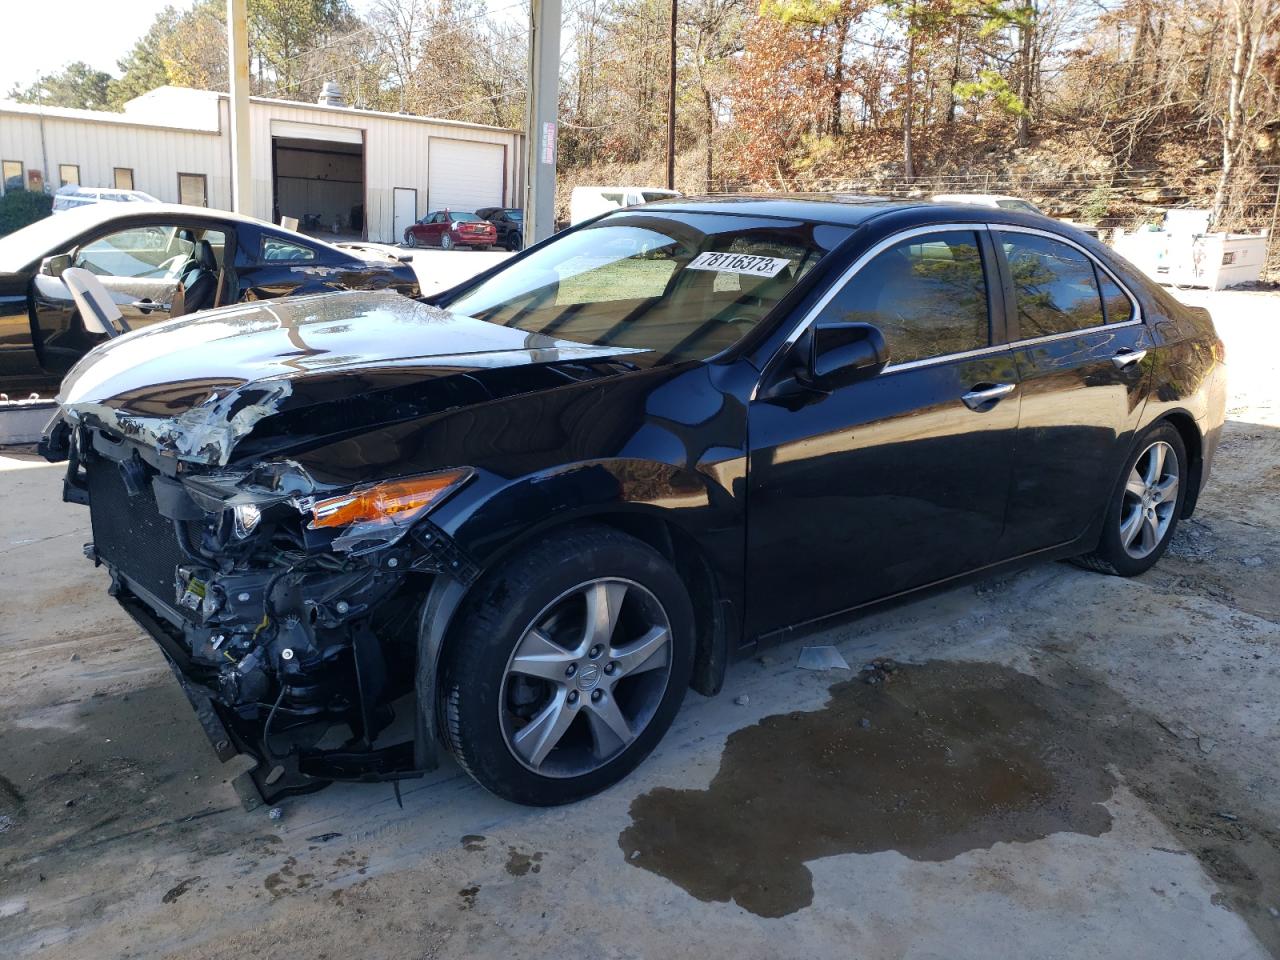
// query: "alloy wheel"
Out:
[1149,500]
[585,678]
[411,239]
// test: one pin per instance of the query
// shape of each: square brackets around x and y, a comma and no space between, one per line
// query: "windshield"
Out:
[685,285]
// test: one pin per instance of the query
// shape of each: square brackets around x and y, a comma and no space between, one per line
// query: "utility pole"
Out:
[541,125]
[238,77]
[671,102]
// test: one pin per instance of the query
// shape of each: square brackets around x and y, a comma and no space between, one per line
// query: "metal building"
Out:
[339,170]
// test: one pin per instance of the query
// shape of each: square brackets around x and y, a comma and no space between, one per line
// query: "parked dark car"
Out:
[509,222]
[447,230]
[157,261]
[536,508]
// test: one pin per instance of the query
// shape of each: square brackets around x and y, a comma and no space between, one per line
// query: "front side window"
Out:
[684,285]
[926,294]
[13,175]
[153,251]
[1054,286]
[281,248]
[123,177]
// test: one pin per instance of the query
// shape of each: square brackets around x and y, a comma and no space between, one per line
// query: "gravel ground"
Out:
[1065,764]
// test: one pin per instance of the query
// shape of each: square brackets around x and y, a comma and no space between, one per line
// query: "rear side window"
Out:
[927,295]
[279,248]
[1054,286]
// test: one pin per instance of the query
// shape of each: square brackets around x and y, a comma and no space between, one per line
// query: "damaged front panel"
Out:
[283,641]
[287,601]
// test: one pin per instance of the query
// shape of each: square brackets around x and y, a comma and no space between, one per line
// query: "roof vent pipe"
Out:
[331,95]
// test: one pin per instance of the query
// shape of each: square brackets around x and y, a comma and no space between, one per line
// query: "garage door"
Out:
[464,175]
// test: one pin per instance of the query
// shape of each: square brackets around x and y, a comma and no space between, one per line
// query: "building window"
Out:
[13,175]
[69,174]
[124,178]
[193,189]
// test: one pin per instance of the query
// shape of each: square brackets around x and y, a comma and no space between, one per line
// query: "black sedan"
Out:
[538,508]
[509,222]
[157,261]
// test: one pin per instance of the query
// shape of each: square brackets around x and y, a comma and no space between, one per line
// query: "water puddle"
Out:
[940,759]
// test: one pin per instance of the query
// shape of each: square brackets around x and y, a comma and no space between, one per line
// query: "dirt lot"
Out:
[1059,765]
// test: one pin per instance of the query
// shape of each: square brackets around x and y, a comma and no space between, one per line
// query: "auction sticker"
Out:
[739,263]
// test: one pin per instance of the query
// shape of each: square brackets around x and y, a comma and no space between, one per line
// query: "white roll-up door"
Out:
[464,175]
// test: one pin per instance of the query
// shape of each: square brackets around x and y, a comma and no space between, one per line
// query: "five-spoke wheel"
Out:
[1143,513]
[586,677]
[568,666]
[1150,496]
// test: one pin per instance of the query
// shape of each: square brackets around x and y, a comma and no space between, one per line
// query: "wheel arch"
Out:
[716,618]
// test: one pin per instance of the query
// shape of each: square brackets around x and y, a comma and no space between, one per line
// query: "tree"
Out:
[283,32]
[77,85]
[1249,21]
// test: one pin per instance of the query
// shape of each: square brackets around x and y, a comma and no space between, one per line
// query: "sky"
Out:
[98,32]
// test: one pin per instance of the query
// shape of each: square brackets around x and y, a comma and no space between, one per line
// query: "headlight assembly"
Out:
[390,503]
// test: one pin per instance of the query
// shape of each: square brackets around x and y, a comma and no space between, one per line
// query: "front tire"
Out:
[1145,505]
[567,667]
[410,239]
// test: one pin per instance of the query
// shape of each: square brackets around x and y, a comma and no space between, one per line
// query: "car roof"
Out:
[81,220]
[848,209]
[90,216]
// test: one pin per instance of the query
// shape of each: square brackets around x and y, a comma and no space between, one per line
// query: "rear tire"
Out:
[446,242]
[1145,505]
[558,680]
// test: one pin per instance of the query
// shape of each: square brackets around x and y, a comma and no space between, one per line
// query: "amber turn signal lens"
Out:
[395,501]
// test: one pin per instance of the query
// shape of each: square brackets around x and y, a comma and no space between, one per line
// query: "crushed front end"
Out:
[289,616]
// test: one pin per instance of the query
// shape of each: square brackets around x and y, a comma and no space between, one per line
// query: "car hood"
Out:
[195,386]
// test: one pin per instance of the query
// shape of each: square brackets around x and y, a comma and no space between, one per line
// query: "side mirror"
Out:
[53,266]
[845,353]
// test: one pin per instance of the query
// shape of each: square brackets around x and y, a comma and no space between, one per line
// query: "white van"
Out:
[588,202]
[72,196]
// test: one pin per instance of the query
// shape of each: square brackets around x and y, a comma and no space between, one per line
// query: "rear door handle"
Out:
[1125,358]
[984,398]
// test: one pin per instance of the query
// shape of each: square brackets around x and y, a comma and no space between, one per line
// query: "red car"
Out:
[447,230]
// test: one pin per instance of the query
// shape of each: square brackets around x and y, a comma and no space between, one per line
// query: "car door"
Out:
[900,480]
[433,229]
[1080,347]
[138,265]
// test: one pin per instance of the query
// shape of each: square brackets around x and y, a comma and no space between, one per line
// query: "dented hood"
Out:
[194,386]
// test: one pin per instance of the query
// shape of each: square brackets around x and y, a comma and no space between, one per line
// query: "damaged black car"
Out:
[518,520]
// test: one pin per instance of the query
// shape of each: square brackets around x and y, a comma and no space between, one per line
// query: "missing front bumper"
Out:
[271,778]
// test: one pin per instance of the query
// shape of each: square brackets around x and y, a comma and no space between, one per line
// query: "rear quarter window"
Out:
[284,250]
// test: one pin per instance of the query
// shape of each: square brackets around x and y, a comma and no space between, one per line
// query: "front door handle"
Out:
[984,398]
[1125,358]
[146,306]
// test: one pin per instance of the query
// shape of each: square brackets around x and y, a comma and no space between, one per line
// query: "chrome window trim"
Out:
[1098,264]
[807,321]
